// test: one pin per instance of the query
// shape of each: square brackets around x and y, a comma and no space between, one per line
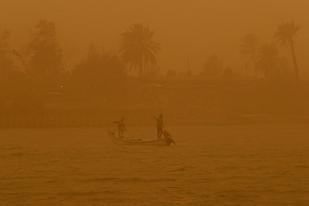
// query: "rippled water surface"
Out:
[214,165]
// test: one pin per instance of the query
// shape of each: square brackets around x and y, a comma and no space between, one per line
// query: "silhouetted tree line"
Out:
[100,75]
[262,60]
[37,73]
[265,60]
[32,78]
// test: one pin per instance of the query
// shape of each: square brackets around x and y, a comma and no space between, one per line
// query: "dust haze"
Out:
[154,103]
[192,29]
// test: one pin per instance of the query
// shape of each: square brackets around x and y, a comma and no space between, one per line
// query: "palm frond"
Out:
[138,49]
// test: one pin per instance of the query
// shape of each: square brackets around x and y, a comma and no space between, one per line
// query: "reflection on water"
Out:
[223,165]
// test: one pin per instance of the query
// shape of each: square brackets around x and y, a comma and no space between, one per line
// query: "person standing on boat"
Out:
[160,126]
[121,126]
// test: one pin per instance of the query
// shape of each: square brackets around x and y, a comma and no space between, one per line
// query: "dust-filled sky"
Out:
[186,29]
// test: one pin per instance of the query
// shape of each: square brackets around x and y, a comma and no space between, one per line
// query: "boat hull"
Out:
[137,142]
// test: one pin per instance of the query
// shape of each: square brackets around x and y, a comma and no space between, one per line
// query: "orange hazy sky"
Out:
[186,29]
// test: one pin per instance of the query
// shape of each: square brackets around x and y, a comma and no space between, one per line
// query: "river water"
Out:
[211,165]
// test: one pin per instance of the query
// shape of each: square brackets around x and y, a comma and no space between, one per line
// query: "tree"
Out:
[9,72]
[13,84]
[100,74]
[285,34]
[45,63]
[171,73]
[138,49]
[249,49]
[228,73]
[6,61]
[212,66]
[268,60]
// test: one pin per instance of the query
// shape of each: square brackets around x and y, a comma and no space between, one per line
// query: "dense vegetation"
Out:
[36,88]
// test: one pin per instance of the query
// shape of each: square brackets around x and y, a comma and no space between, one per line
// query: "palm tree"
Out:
[285,35]
[268,59]
[138,49]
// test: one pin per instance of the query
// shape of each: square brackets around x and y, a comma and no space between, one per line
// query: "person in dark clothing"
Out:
[121,127]
[168,138]
[160,126]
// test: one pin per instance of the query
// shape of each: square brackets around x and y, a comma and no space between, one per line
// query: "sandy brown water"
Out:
[211,165]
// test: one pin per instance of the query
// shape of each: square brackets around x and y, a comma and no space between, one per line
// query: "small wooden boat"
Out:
[134,141]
